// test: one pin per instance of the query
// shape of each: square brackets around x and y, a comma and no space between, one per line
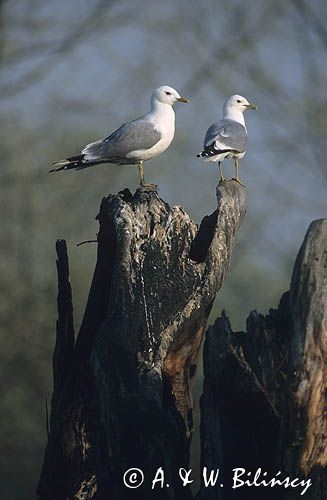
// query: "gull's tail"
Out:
[212,150]
[68,163]
[74,162]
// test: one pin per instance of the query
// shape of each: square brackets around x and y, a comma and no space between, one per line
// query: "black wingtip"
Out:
[58,169]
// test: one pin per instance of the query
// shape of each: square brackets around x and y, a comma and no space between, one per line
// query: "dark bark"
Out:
[265,391]
[126,399]
[65,325]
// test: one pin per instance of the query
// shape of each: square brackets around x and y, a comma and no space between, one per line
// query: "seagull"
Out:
[133,142]
[227,138]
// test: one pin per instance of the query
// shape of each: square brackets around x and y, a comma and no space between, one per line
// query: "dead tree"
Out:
[123,391]
[264,403]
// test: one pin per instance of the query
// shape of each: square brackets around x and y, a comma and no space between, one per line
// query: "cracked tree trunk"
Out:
[265,391]
[123,394]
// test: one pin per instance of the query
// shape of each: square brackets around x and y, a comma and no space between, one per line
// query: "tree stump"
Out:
[123,393]
[265,391]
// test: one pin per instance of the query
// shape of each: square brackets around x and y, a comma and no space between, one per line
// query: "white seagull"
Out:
[227,138]
[134,141]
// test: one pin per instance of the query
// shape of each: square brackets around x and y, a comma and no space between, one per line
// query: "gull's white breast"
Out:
[164,122]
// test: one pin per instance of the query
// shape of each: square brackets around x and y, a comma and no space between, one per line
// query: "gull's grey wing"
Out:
[226,135]
[132,136]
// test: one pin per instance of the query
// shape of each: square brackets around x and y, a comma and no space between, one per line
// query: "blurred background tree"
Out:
[74,71]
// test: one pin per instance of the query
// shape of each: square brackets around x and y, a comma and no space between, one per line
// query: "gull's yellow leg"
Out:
[237,177]
[222,178]
[142,183]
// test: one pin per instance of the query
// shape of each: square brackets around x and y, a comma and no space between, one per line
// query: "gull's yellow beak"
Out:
[251,106]
[183,99]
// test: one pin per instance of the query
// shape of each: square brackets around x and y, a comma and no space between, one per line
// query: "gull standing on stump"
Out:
[227,138]
[135,141]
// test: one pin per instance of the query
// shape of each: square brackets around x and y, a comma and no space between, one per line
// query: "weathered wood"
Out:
[265,391]
[65,338]
[128,400]
[307,408]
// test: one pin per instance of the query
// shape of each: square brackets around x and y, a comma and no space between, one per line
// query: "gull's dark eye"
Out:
[239,101]
[168,93]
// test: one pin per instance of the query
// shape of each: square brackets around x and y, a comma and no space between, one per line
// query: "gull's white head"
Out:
[237,104]
[167,95]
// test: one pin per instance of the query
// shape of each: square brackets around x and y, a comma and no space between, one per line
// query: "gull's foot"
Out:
[238,181]
[224,179]
[148,187]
